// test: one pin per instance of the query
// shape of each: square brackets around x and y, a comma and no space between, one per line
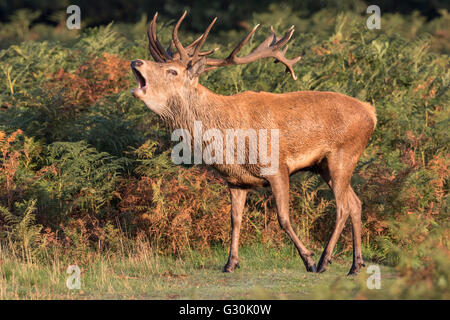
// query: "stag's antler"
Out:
[269,48]
[184,54]
[156,49]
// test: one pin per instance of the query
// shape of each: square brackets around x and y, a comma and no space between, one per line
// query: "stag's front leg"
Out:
[237,207]
[280,188]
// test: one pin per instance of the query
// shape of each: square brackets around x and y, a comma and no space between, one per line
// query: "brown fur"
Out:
[325,132]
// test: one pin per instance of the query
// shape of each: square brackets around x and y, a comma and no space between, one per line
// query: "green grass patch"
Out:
[265,273]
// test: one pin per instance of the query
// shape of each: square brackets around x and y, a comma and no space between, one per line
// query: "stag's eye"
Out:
[172,72]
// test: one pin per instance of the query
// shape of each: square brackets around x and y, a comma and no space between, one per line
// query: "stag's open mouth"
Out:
[140,78]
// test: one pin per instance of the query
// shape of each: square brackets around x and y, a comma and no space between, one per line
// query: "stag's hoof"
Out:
[230,267]
[323,266]
[354,270]
[310,264]
[312,268]
[321,269]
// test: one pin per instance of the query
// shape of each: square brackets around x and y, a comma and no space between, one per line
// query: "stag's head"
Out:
[176,73]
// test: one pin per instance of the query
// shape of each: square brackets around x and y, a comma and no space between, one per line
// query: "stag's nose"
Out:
[136,63]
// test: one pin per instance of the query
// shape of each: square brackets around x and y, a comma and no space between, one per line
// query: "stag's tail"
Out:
[372,112]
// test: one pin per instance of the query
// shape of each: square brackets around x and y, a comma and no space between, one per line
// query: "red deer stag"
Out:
[323,132]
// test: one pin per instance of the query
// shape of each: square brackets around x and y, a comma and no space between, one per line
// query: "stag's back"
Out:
[326,115]
[311,124]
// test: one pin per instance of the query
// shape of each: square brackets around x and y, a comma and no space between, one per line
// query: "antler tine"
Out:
[151,42]
[193,44]
[154,53]
[181,50]
[287,36]
[207,53]
[287,62]
[156,49]
[231,59]
[242,43]
[155,37]
[202,41]
[188,48]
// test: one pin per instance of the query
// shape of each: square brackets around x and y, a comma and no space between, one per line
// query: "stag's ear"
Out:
[197,68]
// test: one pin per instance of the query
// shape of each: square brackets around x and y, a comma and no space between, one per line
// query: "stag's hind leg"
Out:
[355,214]
[337,171]
[280,188]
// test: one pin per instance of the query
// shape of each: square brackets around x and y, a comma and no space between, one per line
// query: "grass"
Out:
[82,162]
[265,273]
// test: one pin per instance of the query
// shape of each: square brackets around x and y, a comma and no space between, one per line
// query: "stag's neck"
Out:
[196,104]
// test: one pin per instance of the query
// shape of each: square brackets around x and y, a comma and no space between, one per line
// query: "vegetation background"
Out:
[86,177]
